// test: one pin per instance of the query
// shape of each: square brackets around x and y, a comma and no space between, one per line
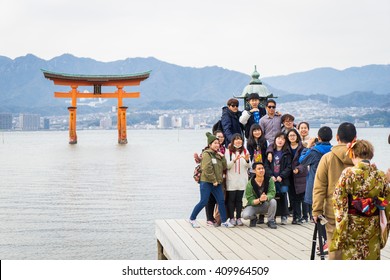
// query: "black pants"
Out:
[210,208]
[297,204]
[234,199]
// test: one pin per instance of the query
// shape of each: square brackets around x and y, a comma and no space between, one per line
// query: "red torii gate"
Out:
[97,81]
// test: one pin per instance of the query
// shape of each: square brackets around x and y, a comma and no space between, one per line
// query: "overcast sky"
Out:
[280,37]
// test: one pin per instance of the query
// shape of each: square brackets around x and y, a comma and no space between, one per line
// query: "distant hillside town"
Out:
[311,111]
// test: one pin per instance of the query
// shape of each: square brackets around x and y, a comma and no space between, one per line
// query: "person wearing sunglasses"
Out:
[230,120]
[271,122]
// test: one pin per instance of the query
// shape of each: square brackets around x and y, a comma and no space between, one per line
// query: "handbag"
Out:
[281,188]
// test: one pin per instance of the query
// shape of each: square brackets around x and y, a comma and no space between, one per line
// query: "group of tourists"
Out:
[263,158]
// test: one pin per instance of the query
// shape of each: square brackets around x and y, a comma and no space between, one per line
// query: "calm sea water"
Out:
[98,199]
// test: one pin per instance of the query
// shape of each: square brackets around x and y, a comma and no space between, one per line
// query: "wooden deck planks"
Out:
[202,239]
[262,245]
[174,246]
[218,242]
[194,241]
[283,246]
[289,242]
[236,243]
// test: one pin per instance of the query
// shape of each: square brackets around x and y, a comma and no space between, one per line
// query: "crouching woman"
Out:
[260,194]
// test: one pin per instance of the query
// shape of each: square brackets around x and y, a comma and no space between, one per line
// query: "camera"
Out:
[322,219]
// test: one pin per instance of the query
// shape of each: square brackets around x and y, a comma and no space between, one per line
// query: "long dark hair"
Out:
[261,143]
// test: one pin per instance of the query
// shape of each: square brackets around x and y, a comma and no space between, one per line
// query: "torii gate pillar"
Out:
[122,125]
[72,125]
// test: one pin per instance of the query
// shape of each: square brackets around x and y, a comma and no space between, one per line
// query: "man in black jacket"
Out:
[230,120]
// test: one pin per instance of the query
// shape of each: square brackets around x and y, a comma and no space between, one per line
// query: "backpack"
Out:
[197,173]
[217,126]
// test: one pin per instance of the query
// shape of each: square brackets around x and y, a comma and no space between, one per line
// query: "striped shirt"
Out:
[271,126]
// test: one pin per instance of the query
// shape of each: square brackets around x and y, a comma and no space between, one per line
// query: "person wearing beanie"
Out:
[213,164]
[212,213]
[253,114]
[210,138]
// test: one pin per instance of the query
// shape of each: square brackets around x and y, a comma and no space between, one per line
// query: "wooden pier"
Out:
[177,240]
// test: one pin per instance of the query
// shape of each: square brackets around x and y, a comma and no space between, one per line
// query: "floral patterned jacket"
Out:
[358,236]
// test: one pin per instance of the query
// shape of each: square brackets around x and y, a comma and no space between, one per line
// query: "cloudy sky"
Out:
[279,36]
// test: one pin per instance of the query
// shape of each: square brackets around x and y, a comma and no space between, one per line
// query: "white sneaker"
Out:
[227,224]
[233,221]
[239,222]
[194,223]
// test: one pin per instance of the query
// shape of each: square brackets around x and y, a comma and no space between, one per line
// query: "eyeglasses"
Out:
[292,135]
[231,105]
[271,107]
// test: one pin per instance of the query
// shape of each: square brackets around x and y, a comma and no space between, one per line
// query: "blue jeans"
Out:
[205,190]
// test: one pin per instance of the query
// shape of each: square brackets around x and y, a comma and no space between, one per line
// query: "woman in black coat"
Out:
[297,188]
[278,167]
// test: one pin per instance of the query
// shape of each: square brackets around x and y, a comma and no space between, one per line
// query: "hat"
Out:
[210,138]
[232,101]
[253,96]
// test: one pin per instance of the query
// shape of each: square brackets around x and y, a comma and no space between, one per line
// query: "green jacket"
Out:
[212,166]
[250,193]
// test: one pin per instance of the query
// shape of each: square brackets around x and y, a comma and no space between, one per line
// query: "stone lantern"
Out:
[256,86]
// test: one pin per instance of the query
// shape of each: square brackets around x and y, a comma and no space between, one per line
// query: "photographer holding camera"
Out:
[328,173]
[311,156]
